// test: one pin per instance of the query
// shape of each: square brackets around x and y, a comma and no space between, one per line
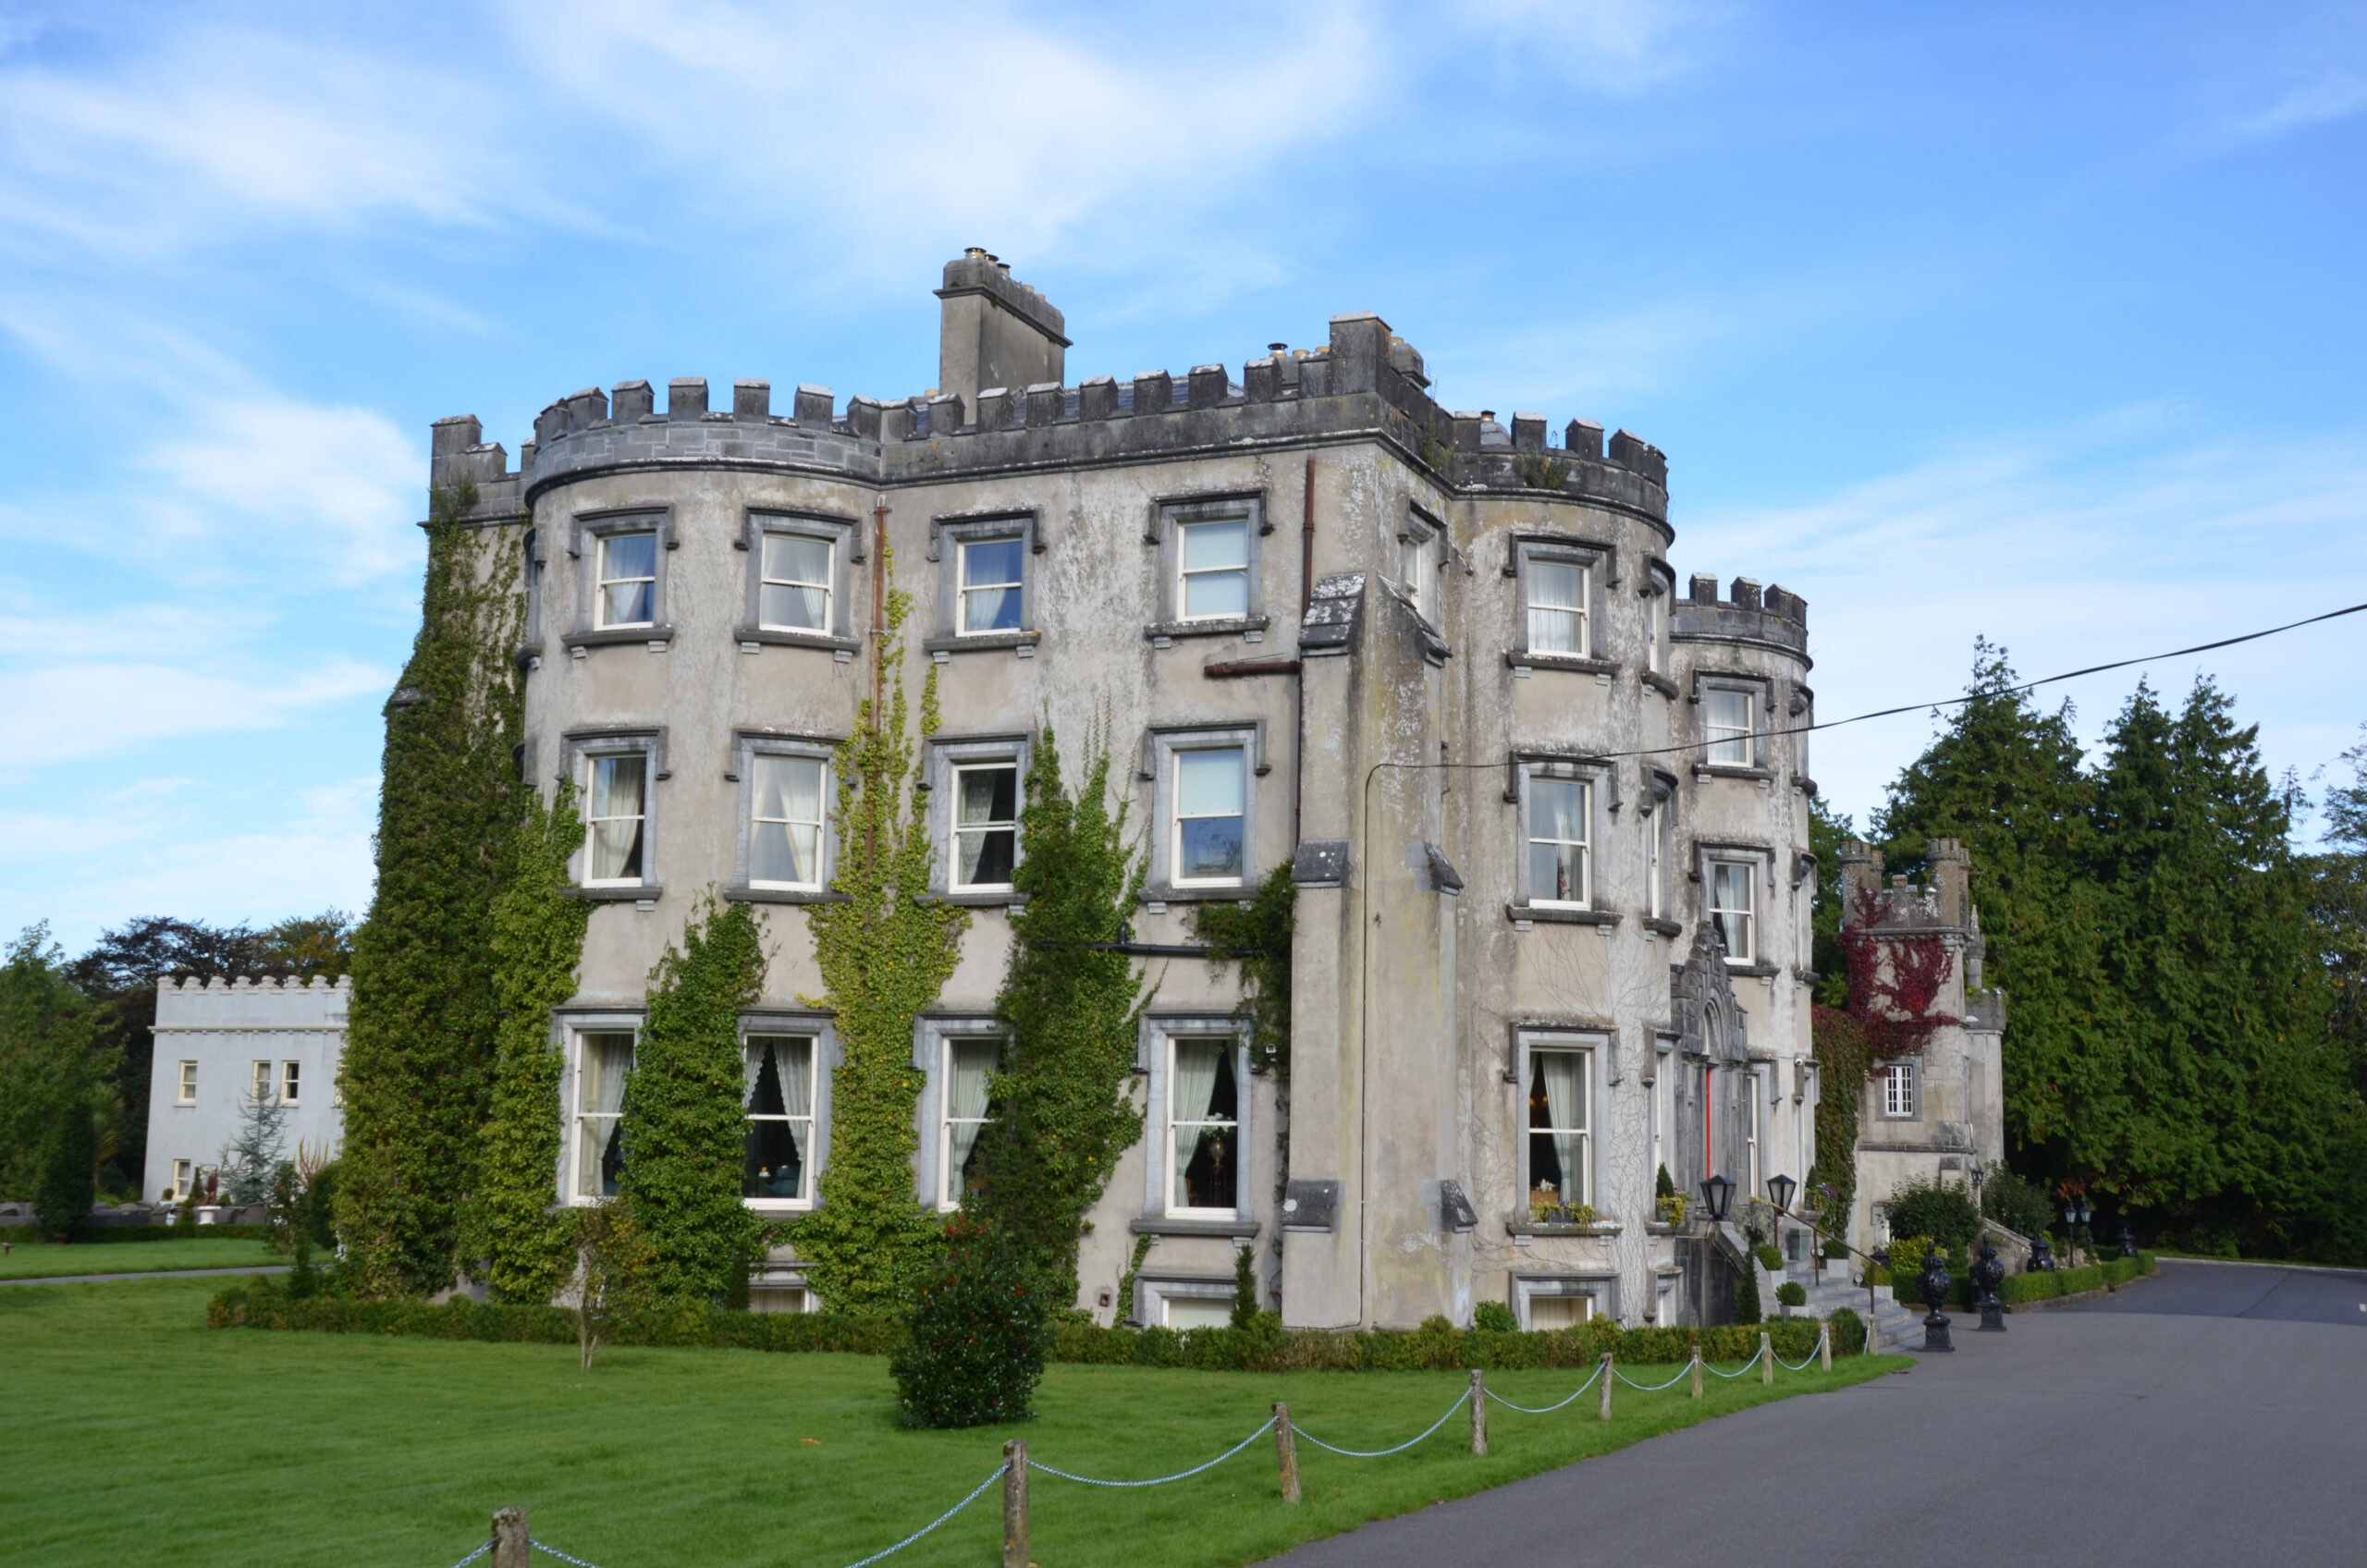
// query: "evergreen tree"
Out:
[537,943]
[2007,780]
[1063,1113]
[685,1121]
[2222,1129]
[420,1039]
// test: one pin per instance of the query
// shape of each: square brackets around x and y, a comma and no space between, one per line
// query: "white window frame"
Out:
[1748,871]
[1895,1077]
[592,757]
[579,1033]
[756,758]
[963,587]
[955,829]
[1236,1052]
[812,1174]
[1549,773]
[1715,735]
[1590,1048]
[601,579]
[827,582]
[1176,817]
[291,1081]
[1184,572]
[260,1084]
[1418,564]
[186,1094]
[948,1200]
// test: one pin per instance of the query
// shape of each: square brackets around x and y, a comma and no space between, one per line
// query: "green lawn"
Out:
[41,1259]
[136,1434]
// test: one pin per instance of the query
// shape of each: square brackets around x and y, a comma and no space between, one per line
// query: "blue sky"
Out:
[2037,322]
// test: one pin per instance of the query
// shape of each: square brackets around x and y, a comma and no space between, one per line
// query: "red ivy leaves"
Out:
[1894,1010]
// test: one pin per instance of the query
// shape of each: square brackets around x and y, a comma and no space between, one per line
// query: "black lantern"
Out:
[1717,1193]
[1779,1191]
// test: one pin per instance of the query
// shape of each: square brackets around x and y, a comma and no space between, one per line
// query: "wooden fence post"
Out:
[1286,1452]
[1607,1375]
[1478,1413]
[1766,1359]
[509,1541]
[1014,1505]
[1825,1344]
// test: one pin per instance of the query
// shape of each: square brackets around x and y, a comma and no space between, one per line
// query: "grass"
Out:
[45,1259]
[137,1435]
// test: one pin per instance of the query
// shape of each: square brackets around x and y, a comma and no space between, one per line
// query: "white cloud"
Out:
[2130,535]
[67,712]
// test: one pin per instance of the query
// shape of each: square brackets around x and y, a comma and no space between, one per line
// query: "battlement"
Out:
[1771,618]
[993,412]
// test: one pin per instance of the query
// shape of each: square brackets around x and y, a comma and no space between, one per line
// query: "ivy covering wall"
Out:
[684,1119]
[526,1244]
[421,1038]
[1063,1110]
[885,953]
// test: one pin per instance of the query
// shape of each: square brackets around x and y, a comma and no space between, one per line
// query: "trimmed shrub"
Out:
[977,1335]
[1494,1318]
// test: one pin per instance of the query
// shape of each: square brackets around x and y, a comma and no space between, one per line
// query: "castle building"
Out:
[221,1045]
[1936,1111]
[1538,794]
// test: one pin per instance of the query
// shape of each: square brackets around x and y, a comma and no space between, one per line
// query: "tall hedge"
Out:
[885,953]
[537,942]
[420,1039]
[684,1117]
[1063,1110]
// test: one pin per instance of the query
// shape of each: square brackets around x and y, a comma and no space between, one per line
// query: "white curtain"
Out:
[965,1106]
[617,816]
[1566,1109]
[794,1061]
[1194,1092]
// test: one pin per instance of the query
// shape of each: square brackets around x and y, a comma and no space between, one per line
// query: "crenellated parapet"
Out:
[1769,618]
[1365,379]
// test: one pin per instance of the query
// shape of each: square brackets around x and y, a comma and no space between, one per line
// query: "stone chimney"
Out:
[995,332]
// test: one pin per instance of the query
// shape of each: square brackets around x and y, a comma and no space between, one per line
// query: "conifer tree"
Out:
[1062,1111]
[684,1119]
[420,1042]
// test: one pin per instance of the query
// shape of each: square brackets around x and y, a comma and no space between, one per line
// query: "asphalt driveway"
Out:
[2213,1415]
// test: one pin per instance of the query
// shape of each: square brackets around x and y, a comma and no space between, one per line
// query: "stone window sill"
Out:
[777,637]
[1161,1225]
[1548,914]
[742,894]
[1524,659]
[1020,643]
[640,892]
[1253,627]
[619,637]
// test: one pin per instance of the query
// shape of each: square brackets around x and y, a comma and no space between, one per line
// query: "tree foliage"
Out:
[1063,1112]
[685,1119]
[885,952]
[420,1040]
[537,943]
[2166,1048]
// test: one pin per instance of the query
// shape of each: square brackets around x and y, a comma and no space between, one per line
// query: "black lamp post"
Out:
[1936,1283]
[1717,1193]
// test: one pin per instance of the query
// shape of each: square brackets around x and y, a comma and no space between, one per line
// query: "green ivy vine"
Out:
[421,1042]
[1063,1112]
[527,1245]
[684,1119]
[885,951]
